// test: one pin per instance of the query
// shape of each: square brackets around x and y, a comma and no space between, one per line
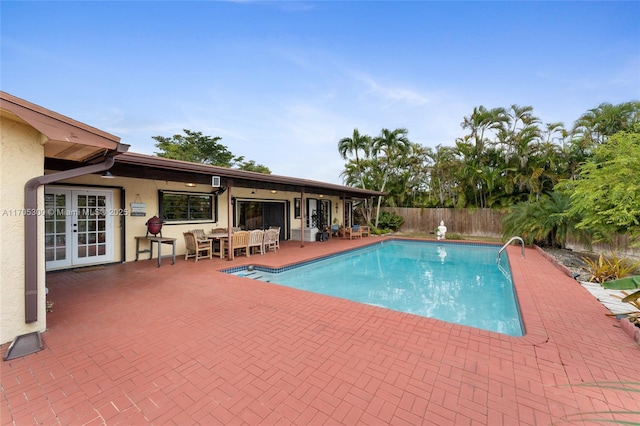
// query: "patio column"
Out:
[302,204]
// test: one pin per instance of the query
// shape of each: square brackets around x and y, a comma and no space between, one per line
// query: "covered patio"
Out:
[186,344]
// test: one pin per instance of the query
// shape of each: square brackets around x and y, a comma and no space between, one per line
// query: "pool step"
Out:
[254,275]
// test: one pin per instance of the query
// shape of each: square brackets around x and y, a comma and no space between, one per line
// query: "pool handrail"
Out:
[507,243]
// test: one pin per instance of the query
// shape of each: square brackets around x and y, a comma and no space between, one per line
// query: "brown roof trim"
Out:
[58,127]
[143,160]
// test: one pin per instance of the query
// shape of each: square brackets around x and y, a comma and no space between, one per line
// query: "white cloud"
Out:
[390,93]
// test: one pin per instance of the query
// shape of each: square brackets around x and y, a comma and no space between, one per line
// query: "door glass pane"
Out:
[49,254]
[251,216]
[55,227]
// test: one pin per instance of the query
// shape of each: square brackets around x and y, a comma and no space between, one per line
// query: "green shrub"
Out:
[389,220]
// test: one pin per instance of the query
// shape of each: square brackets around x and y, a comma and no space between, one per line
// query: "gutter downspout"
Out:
[31,230]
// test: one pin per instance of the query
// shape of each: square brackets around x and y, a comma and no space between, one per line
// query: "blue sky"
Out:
[283,82]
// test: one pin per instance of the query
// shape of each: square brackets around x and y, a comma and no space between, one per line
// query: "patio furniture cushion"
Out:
[353,232]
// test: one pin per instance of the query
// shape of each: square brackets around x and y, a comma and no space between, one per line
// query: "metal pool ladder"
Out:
[509,242]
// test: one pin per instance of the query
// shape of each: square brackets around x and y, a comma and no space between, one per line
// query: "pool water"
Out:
[454,282]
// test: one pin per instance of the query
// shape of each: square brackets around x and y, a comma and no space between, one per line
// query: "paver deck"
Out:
[185,344]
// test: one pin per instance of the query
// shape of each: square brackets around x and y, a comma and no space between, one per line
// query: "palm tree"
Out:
[553,128]
[545,222]
[523,114]
[389,148]
[442,177]
[605,120]
[481,120]
[352,146]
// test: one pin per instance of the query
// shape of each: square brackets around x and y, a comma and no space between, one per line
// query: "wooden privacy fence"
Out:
[620,245]
[477,222]
[488,223]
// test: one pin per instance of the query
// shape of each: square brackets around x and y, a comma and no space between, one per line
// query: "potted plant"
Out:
[319,221]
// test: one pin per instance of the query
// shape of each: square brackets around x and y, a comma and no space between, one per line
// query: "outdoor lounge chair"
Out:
[198,248]
[366,231]
[256,240]
[353,232]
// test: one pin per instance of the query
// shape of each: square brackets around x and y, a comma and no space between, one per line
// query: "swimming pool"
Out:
[454,282]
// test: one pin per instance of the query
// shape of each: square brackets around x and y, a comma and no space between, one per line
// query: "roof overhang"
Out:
[184,171]
[62,137]
[157,168]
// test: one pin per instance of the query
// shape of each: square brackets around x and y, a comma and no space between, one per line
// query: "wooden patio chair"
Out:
[277,229]
[197,248]
[353,232]
[366,230]
[256,240]
[199,233]
[240,242]
[270,240]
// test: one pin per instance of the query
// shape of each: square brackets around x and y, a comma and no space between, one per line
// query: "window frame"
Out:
[213,204]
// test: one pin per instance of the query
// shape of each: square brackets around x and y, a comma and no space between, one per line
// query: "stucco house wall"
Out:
[21,158]
[146,191]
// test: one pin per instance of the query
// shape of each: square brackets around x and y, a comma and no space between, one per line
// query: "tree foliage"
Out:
[198,148]
[509,159]
[545,222]
[607,193]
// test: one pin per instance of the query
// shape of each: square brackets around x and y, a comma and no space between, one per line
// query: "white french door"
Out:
[78,227]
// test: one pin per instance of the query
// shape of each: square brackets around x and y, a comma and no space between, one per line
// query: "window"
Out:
[186,206]
[296,208]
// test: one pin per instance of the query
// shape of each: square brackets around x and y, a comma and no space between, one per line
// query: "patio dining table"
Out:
[221,237]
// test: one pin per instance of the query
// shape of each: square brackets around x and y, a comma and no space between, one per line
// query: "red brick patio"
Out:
[185,344]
